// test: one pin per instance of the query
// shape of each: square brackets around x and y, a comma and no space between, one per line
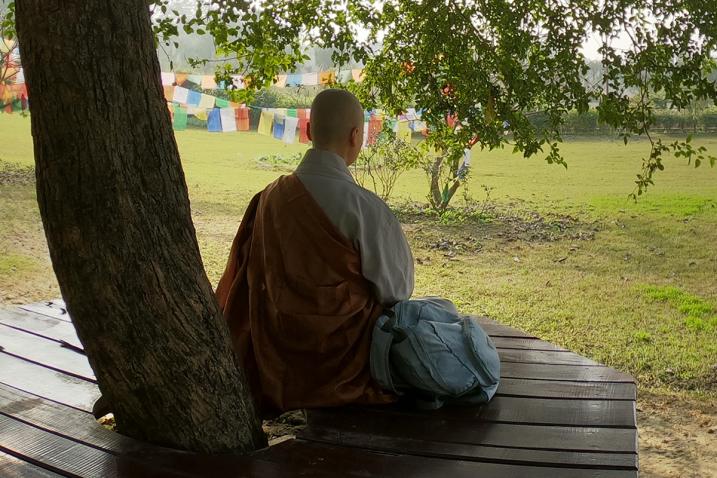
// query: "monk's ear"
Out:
[308,131]
[355,137]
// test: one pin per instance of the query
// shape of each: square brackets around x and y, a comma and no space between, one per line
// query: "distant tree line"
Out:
[666,121]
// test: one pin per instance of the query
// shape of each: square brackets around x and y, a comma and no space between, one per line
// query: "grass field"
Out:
[559,253]
[564,254]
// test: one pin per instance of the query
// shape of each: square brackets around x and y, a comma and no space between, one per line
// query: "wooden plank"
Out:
[495,329]
[327,460]
[44,326]
[48,383]
[563,372]
[68,457]
[535,411]
[543,356]
[459,430]
[460,451]
[529,411]
[81,427]
[45,352]
[11,467]
[516,387]
[69,422]
[52,308]
[524,343]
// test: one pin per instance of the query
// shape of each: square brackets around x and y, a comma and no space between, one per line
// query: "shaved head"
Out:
[335,114]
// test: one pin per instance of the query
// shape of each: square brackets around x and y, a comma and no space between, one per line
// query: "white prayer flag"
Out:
[290,125]
[310,79]
[229,122]
[466,157]
[180,95]
[167,79]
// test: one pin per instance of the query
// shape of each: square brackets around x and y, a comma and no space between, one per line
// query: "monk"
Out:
[316,260]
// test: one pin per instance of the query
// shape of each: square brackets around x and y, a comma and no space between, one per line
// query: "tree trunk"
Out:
[115,208]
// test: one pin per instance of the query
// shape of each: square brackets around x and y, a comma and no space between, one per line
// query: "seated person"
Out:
[316,260]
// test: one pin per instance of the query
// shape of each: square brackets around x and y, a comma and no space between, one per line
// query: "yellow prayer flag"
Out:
[327,77]
[280,81]
[201,114]
[206,101]
[265,121]
[6,45]
[404,131]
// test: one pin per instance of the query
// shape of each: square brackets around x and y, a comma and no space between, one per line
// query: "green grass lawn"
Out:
[562,253]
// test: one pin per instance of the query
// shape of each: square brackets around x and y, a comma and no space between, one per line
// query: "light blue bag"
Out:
[425,349]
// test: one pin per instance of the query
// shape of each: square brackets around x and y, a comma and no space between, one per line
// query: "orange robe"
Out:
[298,309]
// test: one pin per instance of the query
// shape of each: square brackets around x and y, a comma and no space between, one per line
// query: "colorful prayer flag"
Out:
[242,118]
[375,124]
[221,103]
[169,93]
[310,79]
[196,79]
[167,79]
[293,79]
[303,136]
[180,118]
[278,129]
[327,77]
[344,76]
[193,98]
[180,95]
[404,132]
[208,82]
[290,124]
[180,78]
[229,122]
[280,81]
[265,121]
[206,101]
[214,121]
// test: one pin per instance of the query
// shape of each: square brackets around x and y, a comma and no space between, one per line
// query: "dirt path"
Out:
[678,436]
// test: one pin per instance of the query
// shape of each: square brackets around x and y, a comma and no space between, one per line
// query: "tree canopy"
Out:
[489,64]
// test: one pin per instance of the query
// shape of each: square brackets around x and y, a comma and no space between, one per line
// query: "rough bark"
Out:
[114,204]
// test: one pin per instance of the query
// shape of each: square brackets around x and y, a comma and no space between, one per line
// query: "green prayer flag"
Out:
[221,103]
[180,118]
[17,105]
[291,113]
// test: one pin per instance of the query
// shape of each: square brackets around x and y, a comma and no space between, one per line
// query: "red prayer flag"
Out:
[242,118]
[375,124]
[303,136]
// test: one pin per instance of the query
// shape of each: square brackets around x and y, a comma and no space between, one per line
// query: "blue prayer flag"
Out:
[193,98]
[214,121]
[279,126]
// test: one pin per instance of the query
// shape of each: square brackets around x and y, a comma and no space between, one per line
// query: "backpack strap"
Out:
[384,334]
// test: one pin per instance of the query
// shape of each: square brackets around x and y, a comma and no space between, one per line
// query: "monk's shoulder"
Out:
[369,203]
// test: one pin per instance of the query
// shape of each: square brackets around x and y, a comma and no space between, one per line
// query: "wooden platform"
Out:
[556,414]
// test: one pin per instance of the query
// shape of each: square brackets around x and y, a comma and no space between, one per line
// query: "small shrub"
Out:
[279,162]
[379,166]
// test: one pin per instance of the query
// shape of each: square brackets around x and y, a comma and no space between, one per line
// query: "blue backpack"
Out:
[425,349]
